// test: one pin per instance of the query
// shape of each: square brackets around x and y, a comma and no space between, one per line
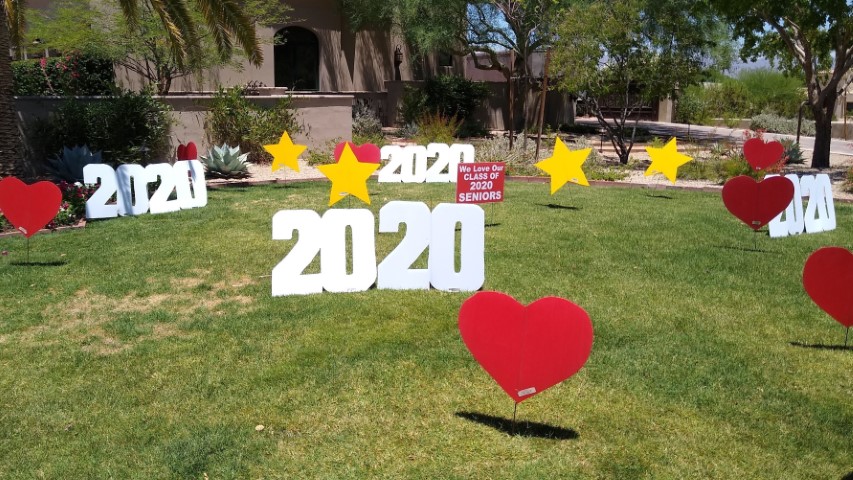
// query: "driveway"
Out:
[680,130]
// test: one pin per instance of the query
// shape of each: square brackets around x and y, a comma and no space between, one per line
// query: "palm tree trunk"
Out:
[10,145]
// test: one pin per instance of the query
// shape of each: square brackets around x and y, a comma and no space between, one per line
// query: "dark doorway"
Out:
[297,62]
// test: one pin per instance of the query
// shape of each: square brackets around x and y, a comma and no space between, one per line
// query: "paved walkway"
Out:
[680,130]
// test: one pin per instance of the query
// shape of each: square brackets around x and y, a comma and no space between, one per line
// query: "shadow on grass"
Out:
[557,207]
[849,476]
[54,263]
[521,429]
[747,249]
[492,224]
[821,346]
[659,195]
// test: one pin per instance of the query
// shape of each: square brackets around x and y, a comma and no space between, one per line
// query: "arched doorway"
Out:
[297,62]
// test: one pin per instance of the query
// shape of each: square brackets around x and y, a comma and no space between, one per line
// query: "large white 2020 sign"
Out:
[819,215]
[411,161]
[129,183]
[434,230]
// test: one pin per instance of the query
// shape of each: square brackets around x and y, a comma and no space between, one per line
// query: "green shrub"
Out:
[127,128]
[771,91]
[69,75]
[235,120]
[436,128]
[728,99]
[453,96]
[449,96]
[412,104]
[691,106]
[366,127]
[775,124]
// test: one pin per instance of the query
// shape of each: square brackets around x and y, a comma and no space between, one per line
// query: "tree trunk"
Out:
[823,132]
[10,147]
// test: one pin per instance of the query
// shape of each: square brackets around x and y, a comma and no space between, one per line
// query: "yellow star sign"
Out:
[565,166]
[348,176]
[666,160]
[285,153]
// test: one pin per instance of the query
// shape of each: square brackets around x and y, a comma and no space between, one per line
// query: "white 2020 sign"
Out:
[819,214]
[411,161]
[326,236]
[129,183]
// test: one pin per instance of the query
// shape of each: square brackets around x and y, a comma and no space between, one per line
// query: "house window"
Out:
[445,59]
[297,61]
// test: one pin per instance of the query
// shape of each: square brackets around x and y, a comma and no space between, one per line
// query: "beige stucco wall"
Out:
[349,61]
[324,118]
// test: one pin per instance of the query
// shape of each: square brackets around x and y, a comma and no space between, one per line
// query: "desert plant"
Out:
[776,124]
[225,162]
[366,127]
[848,181]
[793,152]
[409,130]
[68,165]
[233,119]
[434,127]
[771,91]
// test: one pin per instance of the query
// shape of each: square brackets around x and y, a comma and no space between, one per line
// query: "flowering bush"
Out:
[71,74]
[73,206]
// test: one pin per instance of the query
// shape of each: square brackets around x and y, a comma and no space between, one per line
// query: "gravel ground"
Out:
[840,165]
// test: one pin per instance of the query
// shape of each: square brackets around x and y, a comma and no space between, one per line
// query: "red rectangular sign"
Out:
[480,182]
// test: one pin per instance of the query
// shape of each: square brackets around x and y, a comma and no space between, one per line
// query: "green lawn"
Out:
[150,347]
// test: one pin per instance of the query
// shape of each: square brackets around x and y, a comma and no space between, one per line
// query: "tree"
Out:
[224,18]
[142,48]
[487,31]
[618,56]
[813,38]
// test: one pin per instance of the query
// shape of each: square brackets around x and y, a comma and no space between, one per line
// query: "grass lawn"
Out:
[150,347]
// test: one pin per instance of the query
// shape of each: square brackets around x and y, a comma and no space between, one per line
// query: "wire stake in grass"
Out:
[514,411]
[846,334]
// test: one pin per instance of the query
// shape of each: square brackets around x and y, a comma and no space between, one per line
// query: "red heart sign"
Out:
[187,152]
[526,349]
[828,279]
[762,155]
[367,153]
[756,203]
[29,207]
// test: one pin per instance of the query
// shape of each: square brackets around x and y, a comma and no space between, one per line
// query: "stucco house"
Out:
[327,67]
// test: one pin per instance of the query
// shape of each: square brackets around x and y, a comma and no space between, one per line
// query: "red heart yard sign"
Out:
[187,152]
[828,279]
[526,349]
[367,153]
[762,155]
[756,203]
[29,207]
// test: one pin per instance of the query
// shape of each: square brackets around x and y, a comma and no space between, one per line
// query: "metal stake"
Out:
[514,410]
[846,334]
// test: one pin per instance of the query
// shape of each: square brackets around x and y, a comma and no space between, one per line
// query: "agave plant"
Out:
[69,164]
[226,162]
